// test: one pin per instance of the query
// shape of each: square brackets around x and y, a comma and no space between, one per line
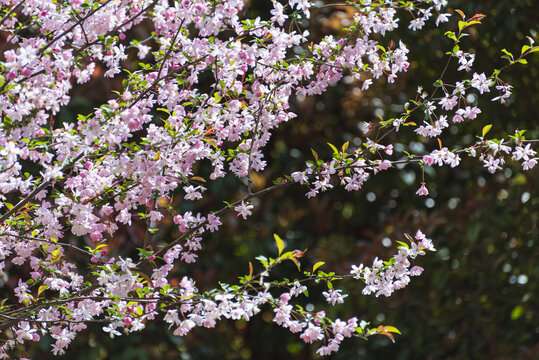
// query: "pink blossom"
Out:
[422,191]
[244,209]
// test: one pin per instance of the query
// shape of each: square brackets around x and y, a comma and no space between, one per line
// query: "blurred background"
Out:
[478,296]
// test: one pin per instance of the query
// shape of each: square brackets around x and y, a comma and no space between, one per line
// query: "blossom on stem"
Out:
[244,209]
[422,191]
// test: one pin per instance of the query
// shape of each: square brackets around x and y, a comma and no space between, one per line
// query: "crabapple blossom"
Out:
[422,191]
[168,130]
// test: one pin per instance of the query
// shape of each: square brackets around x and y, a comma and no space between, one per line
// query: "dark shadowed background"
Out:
[477,298]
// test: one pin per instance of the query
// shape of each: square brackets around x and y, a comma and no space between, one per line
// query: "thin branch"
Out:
[47,241]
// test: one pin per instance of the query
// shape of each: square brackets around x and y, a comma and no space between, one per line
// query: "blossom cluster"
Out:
[384,278]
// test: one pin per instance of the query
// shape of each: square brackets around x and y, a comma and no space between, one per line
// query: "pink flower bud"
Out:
[11,75]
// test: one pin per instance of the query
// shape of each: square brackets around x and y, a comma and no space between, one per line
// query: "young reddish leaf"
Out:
[460,13]
[250,269]
[440,143]
[409,237]
[295,261]
[478,17]
[197,178]
[381,331]
[299,253]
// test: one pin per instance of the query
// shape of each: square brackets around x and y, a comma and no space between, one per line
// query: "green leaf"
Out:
[317,265]
[486,129]
[517,312]
[363,324]
[451,35]
[507,53]
[438,83]
[55,256]
[524,48]
[9,206]
[404,244]
[392,329]
[279,242]
[315,154]
[41,289]
[333,147]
